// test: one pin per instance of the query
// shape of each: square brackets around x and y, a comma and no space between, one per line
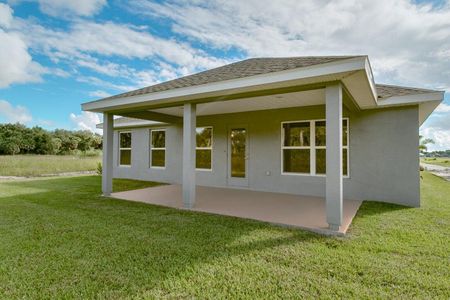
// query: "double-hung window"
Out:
[158,148]
[296,147]
[204,145]
[125,148]
[303,148]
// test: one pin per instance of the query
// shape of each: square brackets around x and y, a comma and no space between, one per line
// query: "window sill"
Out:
[158,168]
[204,170]
[310,175]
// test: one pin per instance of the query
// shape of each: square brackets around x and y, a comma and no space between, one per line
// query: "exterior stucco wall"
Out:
[383,154]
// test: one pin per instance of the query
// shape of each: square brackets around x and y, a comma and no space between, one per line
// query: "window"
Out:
[204,143]
[125,148]
[304,147]
[158,148]
[296,147]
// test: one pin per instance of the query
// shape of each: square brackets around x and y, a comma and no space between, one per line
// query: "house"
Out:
[315,126]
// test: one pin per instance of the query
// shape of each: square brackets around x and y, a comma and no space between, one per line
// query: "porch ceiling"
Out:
[314,95]
[303,98]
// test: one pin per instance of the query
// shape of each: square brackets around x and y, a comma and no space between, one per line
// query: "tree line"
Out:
[19,139]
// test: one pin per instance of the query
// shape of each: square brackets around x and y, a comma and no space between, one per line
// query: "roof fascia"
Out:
[371,79]
[411,99]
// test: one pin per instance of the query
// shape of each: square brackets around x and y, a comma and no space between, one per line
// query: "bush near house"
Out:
[19,139]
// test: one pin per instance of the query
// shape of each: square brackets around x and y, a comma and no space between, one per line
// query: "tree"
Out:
[423,142]
[85,140]
[42,141]
[97,141]
[15,138]
[56,145]
[69,142]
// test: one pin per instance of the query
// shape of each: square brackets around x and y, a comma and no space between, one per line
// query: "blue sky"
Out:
[56,54]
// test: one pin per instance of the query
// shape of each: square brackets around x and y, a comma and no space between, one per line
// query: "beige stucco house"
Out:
[315,126]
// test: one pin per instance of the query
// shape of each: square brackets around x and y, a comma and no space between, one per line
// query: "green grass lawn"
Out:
[440,161]
[60,239]
[37,165]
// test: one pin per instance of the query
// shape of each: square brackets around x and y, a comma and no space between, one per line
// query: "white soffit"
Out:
[426,108]
[118,123]
[304,98]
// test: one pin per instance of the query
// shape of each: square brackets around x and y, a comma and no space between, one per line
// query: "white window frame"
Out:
[120,149]
[312,148]
[157,148]
[205,148]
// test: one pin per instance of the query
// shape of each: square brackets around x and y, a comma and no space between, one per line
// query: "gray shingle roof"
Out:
[385,91]
[240,69]
[257,66]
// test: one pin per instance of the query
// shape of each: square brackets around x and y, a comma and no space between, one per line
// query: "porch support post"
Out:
[189,143]
[107,168]
[334,201]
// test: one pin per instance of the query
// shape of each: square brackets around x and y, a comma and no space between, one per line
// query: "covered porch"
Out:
[333,85]
[305,212]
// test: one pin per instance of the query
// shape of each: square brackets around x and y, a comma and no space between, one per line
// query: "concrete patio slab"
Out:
[305,212]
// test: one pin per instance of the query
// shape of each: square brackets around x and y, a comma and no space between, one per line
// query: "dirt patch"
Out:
[49,175]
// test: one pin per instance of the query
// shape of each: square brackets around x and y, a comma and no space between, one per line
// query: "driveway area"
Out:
[440,171]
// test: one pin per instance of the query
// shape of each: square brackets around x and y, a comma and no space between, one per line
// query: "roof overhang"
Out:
[355,73]
[427,103]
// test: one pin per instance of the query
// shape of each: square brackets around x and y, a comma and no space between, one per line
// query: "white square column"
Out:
[107,167]
[333,111]
[189,144]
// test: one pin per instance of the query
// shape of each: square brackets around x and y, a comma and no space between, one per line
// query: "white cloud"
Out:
[64,8]
[441,137]
[86,121]
[437,127]
[13,114]
[443,108]
[6,15]
[109,68]
[407,43]
[84,39]
[16,64]
[99,94]
[57,72]
[45,123]
[92,80]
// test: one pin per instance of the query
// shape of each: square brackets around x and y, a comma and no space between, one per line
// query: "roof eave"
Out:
[411,99]
[426,102]
[233,85]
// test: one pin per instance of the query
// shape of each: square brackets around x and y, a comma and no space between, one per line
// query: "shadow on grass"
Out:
[71,234]
[369,208]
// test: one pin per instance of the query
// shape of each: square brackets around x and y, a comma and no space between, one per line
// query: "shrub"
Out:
[99,168]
